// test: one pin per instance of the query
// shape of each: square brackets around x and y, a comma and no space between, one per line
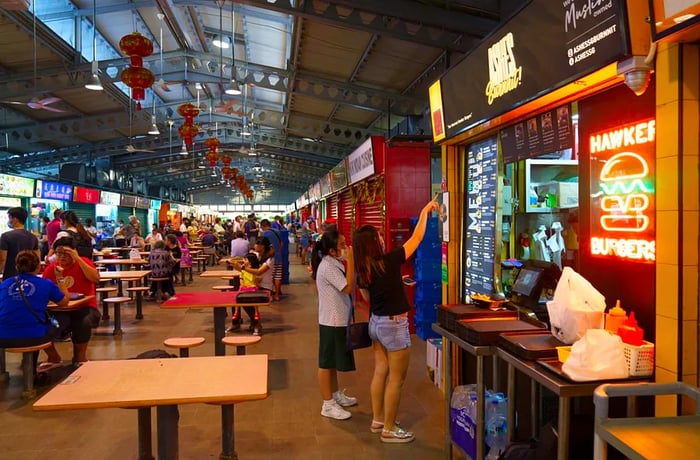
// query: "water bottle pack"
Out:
[496,427]
[463,421]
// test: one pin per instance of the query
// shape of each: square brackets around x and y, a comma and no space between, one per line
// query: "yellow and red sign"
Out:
[622,192]
[436,115]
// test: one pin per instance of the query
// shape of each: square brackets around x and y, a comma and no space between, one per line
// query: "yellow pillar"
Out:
[677,216]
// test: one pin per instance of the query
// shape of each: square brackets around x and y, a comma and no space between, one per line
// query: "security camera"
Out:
[637,73]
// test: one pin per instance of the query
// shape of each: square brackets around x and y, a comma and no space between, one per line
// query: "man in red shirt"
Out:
[79,276]
[53,227]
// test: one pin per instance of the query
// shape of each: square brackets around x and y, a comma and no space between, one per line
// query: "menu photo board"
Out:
[546,45]
[86,195]
[480,217]
[16,186]
[128,201]
[339,176]
[54,190]
[142,202]
[547,132]
[110,198]
[325,184]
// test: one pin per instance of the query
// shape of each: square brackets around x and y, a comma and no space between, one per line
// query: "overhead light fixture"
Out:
[233,89]
[244,131]
[154,131]
[184,149]
[251,153]
[94,82]
[220,42]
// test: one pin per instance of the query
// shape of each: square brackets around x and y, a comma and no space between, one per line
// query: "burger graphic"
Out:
[626,196]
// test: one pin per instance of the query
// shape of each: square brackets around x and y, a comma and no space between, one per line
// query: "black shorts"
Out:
[332,353]
[26,342]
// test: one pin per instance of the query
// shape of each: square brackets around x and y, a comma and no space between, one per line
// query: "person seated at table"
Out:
[137,242]
[24,319]
[154,236]
[209,241]
[248,282]
[80,276]
[266,255]
[120,235]
[161,262]
[173,245]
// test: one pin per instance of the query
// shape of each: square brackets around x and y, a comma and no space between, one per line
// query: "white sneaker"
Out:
[344,400]
[333,410]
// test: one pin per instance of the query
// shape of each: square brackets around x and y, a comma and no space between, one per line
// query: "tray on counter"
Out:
[449,315]
[554,365]
[486,332]
[531,345]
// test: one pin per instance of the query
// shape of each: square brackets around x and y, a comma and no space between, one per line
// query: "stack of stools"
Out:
[139,291]
[117,301]
[100,299]
[27,367]
[183,344]
[240,342]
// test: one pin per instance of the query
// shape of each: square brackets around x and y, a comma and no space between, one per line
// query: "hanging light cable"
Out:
[94,82]
[234,89]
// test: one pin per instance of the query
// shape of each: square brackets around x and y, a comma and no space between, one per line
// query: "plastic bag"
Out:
[134,254]
[599,355]
[577,306]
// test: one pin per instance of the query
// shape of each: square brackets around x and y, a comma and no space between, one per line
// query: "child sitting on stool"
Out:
[248,282]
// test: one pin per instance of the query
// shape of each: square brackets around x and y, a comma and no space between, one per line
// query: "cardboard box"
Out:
[433,358]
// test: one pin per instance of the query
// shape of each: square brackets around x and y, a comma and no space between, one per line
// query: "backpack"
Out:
[81,244]
[154,354]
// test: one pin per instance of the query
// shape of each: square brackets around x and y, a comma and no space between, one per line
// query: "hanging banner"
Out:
[545,46]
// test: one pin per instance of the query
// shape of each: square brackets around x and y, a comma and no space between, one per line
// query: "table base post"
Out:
[145,445]
[447,353]
[563,439]
[228,441]
[219,330]
[168,437]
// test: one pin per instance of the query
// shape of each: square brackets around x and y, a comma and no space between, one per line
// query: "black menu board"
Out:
[480,216]
[545,133]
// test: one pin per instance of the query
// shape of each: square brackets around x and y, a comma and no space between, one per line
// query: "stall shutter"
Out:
[142,216]
[124,214]
[346,223]
[332,207]
[83,211]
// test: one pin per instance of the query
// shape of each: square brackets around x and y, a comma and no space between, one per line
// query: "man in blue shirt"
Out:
[275,238]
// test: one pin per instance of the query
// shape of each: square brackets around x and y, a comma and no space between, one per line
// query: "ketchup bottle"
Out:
[630,332]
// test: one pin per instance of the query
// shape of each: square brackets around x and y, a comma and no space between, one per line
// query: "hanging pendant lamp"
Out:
[94,82]
[233,89]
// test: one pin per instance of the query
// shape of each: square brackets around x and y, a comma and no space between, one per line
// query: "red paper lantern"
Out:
[226,160]
[137,47]
[226,172]
[138,79]
[188,132]
[212,157]
[188,111]
[212,143]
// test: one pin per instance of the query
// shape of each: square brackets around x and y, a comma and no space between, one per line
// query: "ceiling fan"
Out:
[38,104]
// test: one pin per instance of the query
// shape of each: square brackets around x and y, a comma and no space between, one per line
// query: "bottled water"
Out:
[496,426]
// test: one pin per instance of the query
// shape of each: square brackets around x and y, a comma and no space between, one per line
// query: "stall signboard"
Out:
[437,118]
[16,186]
[668,17]
[547,45]
[623,192]
[110,198]
[480,217]
[325,183]
[155,204]
[361,162]
[7,202]
[128,201]
[54,190]
[547,132]
[142,202]
[339,176]
[86,195]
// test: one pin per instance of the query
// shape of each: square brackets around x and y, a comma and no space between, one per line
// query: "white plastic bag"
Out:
[134,254]
[577,306]
[599,355]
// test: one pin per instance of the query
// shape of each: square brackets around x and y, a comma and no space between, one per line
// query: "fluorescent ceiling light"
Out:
[184,149]
[234,89]
[220,42]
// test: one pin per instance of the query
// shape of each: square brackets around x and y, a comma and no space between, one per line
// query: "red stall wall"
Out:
[630,281]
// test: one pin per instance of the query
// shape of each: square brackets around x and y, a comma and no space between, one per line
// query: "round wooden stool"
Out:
[240,342]
[28,367]
[117,301]
[140,291]
[183,344]
[104,291]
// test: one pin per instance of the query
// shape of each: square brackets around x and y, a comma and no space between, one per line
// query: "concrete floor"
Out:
[286,425]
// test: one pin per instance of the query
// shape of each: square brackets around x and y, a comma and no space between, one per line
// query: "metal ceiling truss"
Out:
[409,22]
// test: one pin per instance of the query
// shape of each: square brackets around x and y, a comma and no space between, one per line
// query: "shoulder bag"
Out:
[49,321]
[357,335]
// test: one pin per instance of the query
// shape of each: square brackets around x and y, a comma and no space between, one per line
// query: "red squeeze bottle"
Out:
[630,332]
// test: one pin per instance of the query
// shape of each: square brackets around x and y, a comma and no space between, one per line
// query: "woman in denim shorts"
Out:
[380,282]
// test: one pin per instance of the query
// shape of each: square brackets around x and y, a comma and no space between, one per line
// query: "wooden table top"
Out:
[157,382]
[124,274]
[72,303]
[206,299]
[121,262]
[225,274]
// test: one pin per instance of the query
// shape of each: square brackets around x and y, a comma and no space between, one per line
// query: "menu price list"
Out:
[546,133]
[480,215]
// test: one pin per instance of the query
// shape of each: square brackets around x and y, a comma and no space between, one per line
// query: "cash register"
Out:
[533,287]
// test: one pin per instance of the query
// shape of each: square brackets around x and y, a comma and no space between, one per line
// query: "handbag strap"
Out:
[19,282]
